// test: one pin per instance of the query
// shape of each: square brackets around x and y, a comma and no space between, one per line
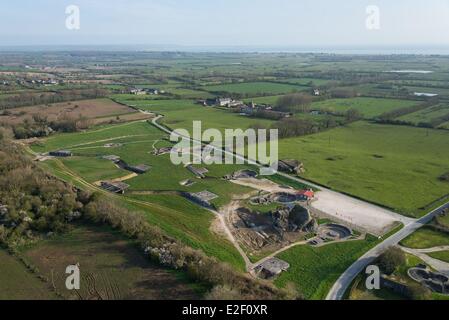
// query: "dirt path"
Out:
[223,215]
[262,185]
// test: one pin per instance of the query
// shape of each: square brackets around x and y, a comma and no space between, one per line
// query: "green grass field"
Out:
[313,82]
[441,255]
[428,114]
[17,283]
[175,215]
[394,166]
[368,107]
[426,237]
[256,88]
[94,169]
[180,114]
[314,270]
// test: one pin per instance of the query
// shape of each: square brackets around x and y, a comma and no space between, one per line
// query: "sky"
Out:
[220,23]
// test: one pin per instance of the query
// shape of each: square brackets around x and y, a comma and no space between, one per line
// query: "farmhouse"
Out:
[115,187]
[223,102]
[137,92]
[271,268]
[61,153]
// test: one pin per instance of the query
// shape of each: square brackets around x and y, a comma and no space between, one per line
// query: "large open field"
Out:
[368,107]
[17,283]
[181,114]
[394,166]
[427,115]
[314,270]
[111,267]
[256,88]
[98,108]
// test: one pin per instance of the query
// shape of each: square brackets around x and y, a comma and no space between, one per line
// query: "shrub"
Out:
[391,259]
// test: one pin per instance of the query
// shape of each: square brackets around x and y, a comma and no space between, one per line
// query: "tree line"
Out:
[32,99]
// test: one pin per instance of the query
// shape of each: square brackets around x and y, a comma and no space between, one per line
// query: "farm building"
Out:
[139,169]
[271,268]
[61,153]
[115,187]
[137,92]
[306,195]
[223,102]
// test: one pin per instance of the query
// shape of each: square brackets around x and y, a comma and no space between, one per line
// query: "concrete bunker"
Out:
[242,174]
[434,281]
[271,268]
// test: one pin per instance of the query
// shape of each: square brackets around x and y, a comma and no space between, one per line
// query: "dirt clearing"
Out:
[91,109]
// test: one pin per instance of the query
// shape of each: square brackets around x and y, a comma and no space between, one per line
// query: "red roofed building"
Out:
[306,194]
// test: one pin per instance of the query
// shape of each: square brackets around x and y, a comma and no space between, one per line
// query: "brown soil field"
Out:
[97,108]
[111,268]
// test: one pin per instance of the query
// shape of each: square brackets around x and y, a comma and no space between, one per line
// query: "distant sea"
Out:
[415,50]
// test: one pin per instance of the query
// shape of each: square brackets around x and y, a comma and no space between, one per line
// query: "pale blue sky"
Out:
[226,22]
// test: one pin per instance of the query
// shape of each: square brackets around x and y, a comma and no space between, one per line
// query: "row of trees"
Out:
[40,126]
[33,203]
[31,99]
[393,259]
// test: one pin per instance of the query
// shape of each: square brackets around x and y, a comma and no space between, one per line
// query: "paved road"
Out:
[338,290]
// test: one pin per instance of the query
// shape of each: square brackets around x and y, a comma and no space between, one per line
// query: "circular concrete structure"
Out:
[334,231]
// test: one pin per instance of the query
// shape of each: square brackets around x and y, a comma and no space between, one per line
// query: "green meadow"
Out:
[394,166]
[368,107]
[427,115]
[314,270]
[182,113]
[256,88]
[426,237]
